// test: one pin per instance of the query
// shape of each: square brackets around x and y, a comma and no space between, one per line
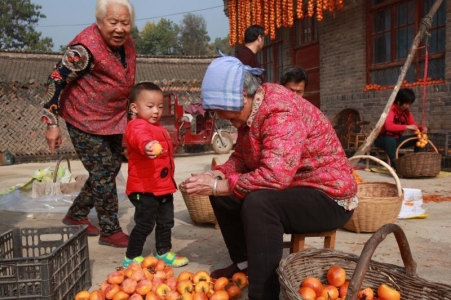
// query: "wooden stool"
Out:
[298,240]
[355,140]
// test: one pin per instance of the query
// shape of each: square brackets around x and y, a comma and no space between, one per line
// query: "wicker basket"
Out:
[379,202]
[199,208]
[364,271]
[418,164]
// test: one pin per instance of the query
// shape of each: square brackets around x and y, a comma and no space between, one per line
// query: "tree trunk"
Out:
[366,146]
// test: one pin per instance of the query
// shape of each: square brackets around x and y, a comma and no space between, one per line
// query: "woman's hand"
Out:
[412,127]
[424,129]
[53,138]
[199,184]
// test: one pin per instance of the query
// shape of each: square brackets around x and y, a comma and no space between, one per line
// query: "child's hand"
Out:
[153,149]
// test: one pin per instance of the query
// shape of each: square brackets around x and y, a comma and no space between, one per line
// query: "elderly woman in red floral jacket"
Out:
[288,173]
[89,89]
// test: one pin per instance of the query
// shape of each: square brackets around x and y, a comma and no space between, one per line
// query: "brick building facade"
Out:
[340,43]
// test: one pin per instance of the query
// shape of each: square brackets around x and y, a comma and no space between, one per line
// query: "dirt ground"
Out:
[429,238]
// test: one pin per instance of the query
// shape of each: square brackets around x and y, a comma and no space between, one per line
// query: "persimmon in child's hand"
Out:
[156,149]
[153,149]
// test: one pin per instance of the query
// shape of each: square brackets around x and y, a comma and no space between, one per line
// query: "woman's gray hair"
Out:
[102,5]
[251,83]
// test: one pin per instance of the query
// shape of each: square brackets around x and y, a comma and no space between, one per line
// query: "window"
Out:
[305,31]
[392,26]
[270,57]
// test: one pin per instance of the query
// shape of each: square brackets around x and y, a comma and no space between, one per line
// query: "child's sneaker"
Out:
[128,261]
[173,260]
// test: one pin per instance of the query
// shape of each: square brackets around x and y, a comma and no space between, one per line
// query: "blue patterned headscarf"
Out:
[223,84]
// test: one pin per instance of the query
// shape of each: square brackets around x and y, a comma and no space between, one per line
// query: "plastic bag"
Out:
[412,205]
[18,198]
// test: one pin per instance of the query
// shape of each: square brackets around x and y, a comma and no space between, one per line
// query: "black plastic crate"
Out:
[44,263]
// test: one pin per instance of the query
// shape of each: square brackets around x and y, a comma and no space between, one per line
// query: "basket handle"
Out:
[413,138]
[390,169]
[55,173]
[370,246]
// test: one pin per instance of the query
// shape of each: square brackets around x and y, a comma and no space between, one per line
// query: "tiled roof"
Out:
[177,71]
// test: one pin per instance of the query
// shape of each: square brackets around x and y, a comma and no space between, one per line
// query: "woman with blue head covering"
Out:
[288,173]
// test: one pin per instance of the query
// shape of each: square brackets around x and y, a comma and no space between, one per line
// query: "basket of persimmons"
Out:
[325,274]
[419,164]
[153,280]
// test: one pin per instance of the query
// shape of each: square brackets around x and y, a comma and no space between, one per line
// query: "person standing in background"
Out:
[89,89]
[295,79]
[254,40]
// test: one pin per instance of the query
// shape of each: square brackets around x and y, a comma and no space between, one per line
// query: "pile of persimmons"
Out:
[337,287]
[153,280]
[422,139]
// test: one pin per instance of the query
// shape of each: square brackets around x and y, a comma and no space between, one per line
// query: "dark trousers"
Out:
[253,229]
[151,210]
[101,155]
[390,144]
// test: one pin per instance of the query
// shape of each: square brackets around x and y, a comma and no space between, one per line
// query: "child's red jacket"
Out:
[149,175]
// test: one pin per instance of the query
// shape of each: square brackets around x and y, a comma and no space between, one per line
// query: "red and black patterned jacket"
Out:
[89,87]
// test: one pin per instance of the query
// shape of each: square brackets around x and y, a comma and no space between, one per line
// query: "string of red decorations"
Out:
[273,14]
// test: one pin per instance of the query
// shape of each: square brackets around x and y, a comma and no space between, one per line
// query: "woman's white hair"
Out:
[102,5]
[250,84]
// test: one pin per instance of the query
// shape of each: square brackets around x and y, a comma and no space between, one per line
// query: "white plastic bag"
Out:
[412,205]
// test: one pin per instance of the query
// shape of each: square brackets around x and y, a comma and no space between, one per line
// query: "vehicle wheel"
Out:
[218,146]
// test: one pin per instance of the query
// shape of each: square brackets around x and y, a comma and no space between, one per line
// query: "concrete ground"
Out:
[429,238]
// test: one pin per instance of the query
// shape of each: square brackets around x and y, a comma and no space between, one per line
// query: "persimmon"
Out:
[220,284]
[220,295]
[240,279]
[111,290]
[83,295]
[201,276]
[307,293]
[195,296]
[185,286]
[366,294]
[384,292]
[313,283]
[185,275]
[149,261]
[234,292]
[129,285]
[336,276]
[152,296]
[330,292]
[156,149]
[121,295]
[343,291]
[97,295]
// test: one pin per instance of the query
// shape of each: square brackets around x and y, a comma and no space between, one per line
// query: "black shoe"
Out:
[227,272]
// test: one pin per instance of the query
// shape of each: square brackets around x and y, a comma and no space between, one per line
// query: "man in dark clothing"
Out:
[254,40]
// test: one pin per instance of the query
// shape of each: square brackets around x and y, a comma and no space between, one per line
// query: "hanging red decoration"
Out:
[273,14]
